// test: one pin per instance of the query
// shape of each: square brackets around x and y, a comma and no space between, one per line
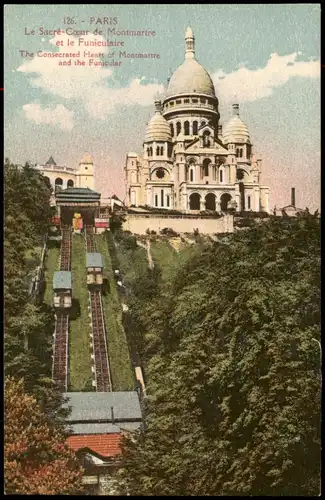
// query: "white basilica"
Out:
[189,163]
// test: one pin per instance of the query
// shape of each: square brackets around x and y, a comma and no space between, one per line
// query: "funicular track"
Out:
[102,369]
[65,255]
[61,332]
[60,351]
[100,353]
[89,239]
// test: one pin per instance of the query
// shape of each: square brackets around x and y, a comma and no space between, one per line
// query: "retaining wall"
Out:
[139,223]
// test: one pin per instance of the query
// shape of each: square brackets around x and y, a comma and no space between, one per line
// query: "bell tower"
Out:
[85,172]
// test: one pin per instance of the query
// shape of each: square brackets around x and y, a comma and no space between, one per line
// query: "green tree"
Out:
[27,329]
[234,406]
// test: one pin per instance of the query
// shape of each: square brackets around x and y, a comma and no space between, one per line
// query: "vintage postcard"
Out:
[162,249]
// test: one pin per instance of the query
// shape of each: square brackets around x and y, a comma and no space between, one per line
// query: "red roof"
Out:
[106,445]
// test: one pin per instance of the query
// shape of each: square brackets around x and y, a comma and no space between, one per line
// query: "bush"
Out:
[116,222]
[168,231]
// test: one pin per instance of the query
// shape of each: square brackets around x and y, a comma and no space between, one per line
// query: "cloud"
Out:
[250,85]
[88,85]
[59,115]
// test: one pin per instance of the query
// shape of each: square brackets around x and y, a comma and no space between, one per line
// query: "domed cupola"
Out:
[158,129]
[235,131]
[190,77]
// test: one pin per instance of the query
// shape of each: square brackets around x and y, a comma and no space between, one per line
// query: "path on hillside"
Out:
[150,259]
[147,247]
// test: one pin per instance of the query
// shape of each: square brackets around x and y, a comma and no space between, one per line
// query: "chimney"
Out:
[293,197]
[112,414]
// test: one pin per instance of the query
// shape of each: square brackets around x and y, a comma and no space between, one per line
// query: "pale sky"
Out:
[265,57]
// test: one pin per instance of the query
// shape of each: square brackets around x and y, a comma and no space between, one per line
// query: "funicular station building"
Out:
[86,204]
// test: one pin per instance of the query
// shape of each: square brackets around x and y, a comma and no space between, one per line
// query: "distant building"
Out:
[188,163]
[62,177]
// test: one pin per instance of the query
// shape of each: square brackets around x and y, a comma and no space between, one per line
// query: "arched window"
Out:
[195,128]
[221,176]
[206,164]
[161,151]
[162,197]
[241,153]
[167,200]
[224,201]
[172,129]
[157,151]
[58,183]
[203,123]
[248,202]
[195,199]
[178,128]
[191,175]
[156,200]
[237,152]
[186,128]
[210,201]
[70,183]
[151,151]
[47,180]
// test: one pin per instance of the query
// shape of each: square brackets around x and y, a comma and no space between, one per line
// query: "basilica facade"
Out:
[189,162]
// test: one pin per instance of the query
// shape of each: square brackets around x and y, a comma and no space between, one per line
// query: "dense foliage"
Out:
[36,458]
[234,369]
[27,328]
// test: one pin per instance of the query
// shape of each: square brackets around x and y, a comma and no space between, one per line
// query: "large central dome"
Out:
[190,77]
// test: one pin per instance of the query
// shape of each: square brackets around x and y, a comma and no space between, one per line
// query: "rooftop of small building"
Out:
[94,259]
[62,280]
[103,407]
[106,445]
[75,194]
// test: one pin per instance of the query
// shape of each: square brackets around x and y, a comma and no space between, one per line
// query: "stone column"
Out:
[202,202]
[149,197]
[256,206]
[197,173]
[210,178]
[237,198]
[186,201]
[181,173]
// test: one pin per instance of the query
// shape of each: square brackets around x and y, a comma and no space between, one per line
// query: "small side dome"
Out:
[158,129]
[235,130]
[86,158]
